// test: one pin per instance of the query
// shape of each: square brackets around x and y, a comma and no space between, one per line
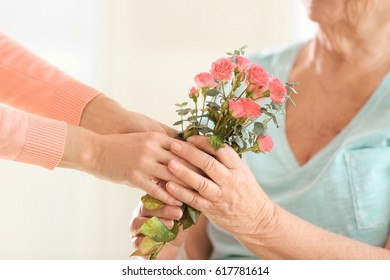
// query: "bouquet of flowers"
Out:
[232,104]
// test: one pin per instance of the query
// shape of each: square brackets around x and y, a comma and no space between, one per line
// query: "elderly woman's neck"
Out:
[359,41]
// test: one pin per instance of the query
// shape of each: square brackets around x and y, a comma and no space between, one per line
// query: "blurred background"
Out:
[144,54]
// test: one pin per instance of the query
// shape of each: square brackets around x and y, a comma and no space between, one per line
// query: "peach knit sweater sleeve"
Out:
[38,100]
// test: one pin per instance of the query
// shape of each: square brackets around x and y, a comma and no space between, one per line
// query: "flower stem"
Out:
[244,91]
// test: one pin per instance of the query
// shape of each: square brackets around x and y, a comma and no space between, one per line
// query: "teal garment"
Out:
[345,188]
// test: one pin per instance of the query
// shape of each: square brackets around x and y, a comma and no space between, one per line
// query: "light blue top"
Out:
[345,188]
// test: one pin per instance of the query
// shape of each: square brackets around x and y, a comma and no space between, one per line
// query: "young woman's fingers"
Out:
[202,185]
[207,163]
[167,212]
[194,199]
[226,155]
[151,187]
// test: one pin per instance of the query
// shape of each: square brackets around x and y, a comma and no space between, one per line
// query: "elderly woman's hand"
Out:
[230,197]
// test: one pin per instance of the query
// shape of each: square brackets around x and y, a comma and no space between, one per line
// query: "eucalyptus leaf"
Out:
[238,141]
[204,130]
[192,119]
[277,106]
[292,101]
[245,133]
[213,105]
[275,121]
[183,112]
[178,122]
[212,92]
[260,129]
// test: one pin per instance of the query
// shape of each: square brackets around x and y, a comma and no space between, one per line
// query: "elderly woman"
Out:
[324,192]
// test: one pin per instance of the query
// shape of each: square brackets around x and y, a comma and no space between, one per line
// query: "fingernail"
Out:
[176,146]
[178,203]
[170,186]
[190,139]
[174,165]
[178,212]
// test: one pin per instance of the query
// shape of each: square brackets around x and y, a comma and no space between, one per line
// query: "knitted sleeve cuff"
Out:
[69,101]
[45,142]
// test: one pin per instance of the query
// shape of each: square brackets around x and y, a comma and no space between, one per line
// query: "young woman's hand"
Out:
[135,159]
[104,115]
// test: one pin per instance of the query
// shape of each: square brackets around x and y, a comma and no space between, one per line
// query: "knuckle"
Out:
[226,179]
[202,185]
[194,201]
[154,191]
[154,136]
[146,147]
[208,163]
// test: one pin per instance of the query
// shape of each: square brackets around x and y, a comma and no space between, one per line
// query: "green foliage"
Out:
[151,203]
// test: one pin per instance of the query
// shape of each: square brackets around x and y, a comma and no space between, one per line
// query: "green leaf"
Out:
[260,129]
[192,119]
[154,255]
[147,247]
[275,121]
[186,222]
[184,104]
[183,112]
[216,142]
[212,92]
[190,131]
[292,101]
[152,203]
[178,122]
[292,84]
[213,105]
[204,130]
[193,214]
[156,230]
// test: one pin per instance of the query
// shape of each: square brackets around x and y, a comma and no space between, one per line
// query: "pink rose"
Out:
[244,108]
[277,90]
[194,93]
[222,69]
[257,75]
[242,63]
[265,143]
[205,80]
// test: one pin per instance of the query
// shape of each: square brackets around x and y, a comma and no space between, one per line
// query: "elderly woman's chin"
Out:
[325,11]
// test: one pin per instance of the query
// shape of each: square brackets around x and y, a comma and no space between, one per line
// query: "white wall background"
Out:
[143,54]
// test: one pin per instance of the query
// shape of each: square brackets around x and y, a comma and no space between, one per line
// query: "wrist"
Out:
[81,149]
[266,226]
[104,115]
